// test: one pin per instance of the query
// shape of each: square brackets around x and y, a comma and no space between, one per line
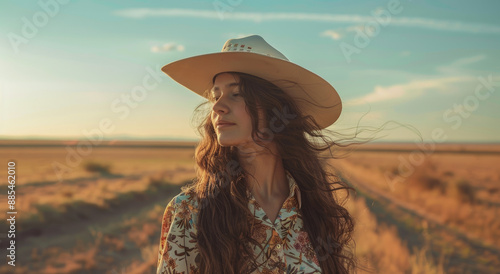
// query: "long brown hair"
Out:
[223,220]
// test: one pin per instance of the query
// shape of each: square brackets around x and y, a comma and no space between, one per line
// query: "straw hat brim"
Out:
[313,95]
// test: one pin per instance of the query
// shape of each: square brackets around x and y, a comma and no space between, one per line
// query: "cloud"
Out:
[241,35]
[418,22]
[458,65]
[408,90]
[167,47]
[452,73]
[356,28]
[335,35]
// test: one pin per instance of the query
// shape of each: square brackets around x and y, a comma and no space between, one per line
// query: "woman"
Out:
[262,201]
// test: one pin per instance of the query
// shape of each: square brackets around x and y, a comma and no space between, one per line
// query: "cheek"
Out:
[245,116]
[212,118]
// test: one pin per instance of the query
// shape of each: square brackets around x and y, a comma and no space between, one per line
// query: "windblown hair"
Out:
[223,221]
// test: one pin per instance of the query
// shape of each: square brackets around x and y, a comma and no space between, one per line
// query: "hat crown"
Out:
[253,44]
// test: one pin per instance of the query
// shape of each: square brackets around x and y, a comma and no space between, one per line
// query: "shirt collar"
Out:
[294,188]
[292,184]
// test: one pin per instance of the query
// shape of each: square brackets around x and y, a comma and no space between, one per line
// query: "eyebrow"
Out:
[227,86]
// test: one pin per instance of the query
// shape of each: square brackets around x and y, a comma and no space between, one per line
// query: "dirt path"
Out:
[479,257]
[109,222]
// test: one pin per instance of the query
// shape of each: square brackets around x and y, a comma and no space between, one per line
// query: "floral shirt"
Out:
[287,246]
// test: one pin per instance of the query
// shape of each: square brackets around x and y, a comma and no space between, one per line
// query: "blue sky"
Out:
[68,66]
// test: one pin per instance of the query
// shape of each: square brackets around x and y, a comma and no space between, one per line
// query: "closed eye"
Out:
[217,98]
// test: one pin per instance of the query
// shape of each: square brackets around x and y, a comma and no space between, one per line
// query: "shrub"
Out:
[463,191]
[429,183]
[97,167]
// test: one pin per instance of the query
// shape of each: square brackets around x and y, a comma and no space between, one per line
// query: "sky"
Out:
[419,70]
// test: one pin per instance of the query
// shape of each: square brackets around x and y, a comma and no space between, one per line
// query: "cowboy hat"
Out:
[253,55]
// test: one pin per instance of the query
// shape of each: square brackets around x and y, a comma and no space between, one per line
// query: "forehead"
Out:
[225,80]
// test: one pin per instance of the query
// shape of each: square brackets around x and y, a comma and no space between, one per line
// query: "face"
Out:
[229,105]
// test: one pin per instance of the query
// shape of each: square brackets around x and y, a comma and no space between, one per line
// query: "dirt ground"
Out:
[100,211]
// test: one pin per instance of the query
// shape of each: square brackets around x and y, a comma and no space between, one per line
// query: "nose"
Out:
[220,106]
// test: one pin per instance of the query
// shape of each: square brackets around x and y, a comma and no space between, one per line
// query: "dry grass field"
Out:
[99,210]
[444,202]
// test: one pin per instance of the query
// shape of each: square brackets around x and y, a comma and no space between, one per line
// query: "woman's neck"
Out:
[266,177]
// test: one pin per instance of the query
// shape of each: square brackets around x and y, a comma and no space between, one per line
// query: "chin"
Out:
[226,142]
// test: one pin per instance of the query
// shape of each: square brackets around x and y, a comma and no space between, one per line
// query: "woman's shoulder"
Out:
[186,196]
[183,202]
[177,249]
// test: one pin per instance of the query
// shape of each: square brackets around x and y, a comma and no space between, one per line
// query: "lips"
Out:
[224,123]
